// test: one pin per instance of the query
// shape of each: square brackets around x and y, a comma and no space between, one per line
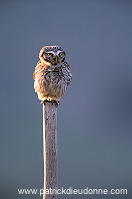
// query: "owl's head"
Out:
[52,54]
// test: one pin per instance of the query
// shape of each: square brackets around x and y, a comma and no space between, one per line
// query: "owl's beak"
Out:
[56,59]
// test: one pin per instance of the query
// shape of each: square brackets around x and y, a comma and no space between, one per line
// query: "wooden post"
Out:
[50,149]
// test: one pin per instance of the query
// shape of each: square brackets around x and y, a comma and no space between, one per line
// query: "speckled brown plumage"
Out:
[52,74]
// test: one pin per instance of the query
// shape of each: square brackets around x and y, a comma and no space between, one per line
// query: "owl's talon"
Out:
[50,101]
[42,102]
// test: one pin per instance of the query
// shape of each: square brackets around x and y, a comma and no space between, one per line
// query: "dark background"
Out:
[94,117]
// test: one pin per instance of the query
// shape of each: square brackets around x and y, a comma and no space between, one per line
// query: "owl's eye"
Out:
[61,53]
[49,54]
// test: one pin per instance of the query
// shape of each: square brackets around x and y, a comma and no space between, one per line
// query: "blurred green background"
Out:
[95,115]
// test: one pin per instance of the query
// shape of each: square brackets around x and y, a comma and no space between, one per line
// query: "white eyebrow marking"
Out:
[51,52]
[59,52]
[55,53]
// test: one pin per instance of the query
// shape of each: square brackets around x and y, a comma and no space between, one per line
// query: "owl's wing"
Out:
[39,77]
[67,73]
[37,69]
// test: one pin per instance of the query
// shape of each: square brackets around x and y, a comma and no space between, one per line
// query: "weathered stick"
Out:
[50,149]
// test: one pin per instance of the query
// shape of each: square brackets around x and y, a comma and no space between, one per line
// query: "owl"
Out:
[52,74]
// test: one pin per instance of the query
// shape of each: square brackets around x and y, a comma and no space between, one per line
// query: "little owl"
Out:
[52,74]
